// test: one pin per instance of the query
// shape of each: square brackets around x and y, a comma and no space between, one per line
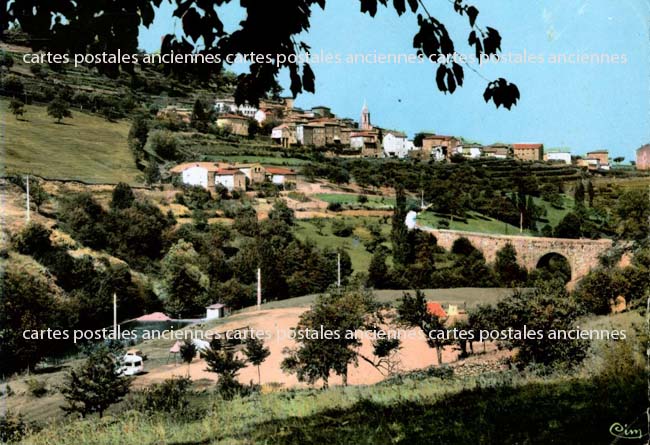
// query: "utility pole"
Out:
[259,288]
[115,315]
[28,203]
[338,269]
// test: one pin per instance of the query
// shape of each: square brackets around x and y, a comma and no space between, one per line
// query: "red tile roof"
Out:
[209,166]
[527,146]
[436,309]
[227,172]
[279,171]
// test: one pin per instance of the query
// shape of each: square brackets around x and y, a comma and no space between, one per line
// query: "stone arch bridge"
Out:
[582,254]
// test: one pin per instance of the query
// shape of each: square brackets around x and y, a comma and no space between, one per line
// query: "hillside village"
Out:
[319,128]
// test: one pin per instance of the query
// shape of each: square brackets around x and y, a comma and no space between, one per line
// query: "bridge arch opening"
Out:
[553,266]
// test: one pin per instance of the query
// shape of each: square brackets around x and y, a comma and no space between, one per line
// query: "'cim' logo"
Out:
[624,432]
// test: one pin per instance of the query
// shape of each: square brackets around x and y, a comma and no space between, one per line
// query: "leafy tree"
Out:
[412,312]
[81,28]
[506,267]
[84,219]
[59,109]
[462,246]
[163,143]
[27,304]
[152,172]
[188,352]
[17,108]
[123,197]
[95,385]
[13,86]
[256,353]
[184,283]
[220,359]
[282,212]
[338,316]
[138,134]
[632,211]
[417,140]
[34,240]
[569,226]
[548,308]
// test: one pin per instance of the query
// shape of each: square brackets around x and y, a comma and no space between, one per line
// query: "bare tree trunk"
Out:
[439,353]
[259,375]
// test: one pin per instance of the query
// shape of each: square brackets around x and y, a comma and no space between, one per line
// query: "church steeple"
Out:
[365,117]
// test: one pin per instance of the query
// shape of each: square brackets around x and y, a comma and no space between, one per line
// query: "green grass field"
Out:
[374,202]
[475,222]
[86,147]
[323,237]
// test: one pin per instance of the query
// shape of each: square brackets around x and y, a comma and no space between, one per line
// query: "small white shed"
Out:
[214,311]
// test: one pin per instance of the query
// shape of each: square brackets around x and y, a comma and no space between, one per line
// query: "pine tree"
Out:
[579,194]
[402,250]
[377,270]
[256,353]
[591,193]
[95,386]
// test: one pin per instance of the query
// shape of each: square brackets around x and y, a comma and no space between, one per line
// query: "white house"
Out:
[470,151]
[231,179]
[558,156]
[396,145]
[196,173]
[281,176]
[228,105]
[196,176]
[260,116]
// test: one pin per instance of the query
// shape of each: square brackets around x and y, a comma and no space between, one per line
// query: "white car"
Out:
[131,365]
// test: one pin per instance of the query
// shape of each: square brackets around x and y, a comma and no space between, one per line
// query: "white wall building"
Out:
[396,145]
[558,156]
[196,176]
[470,151]
[228,105]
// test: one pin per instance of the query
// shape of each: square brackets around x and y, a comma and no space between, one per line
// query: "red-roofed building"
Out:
[435,308]
[528,152]
[230,178]
[281,176]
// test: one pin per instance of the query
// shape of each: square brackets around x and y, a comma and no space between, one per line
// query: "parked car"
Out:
[131,365]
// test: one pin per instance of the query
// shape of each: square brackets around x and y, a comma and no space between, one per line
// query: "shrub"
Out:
[37,388]
[33,240]
[362,199]
[340,228]
[172,395]
[12,428]
[334,207]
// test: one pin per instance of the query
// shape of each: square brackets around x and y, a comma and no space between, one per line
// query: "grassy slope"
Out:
[86,147]
[494,410]
[374,202]
[484,224]
[359,255]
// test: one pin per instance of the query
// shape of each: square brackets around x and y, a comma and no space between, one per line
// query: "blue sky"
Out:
[580,106]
